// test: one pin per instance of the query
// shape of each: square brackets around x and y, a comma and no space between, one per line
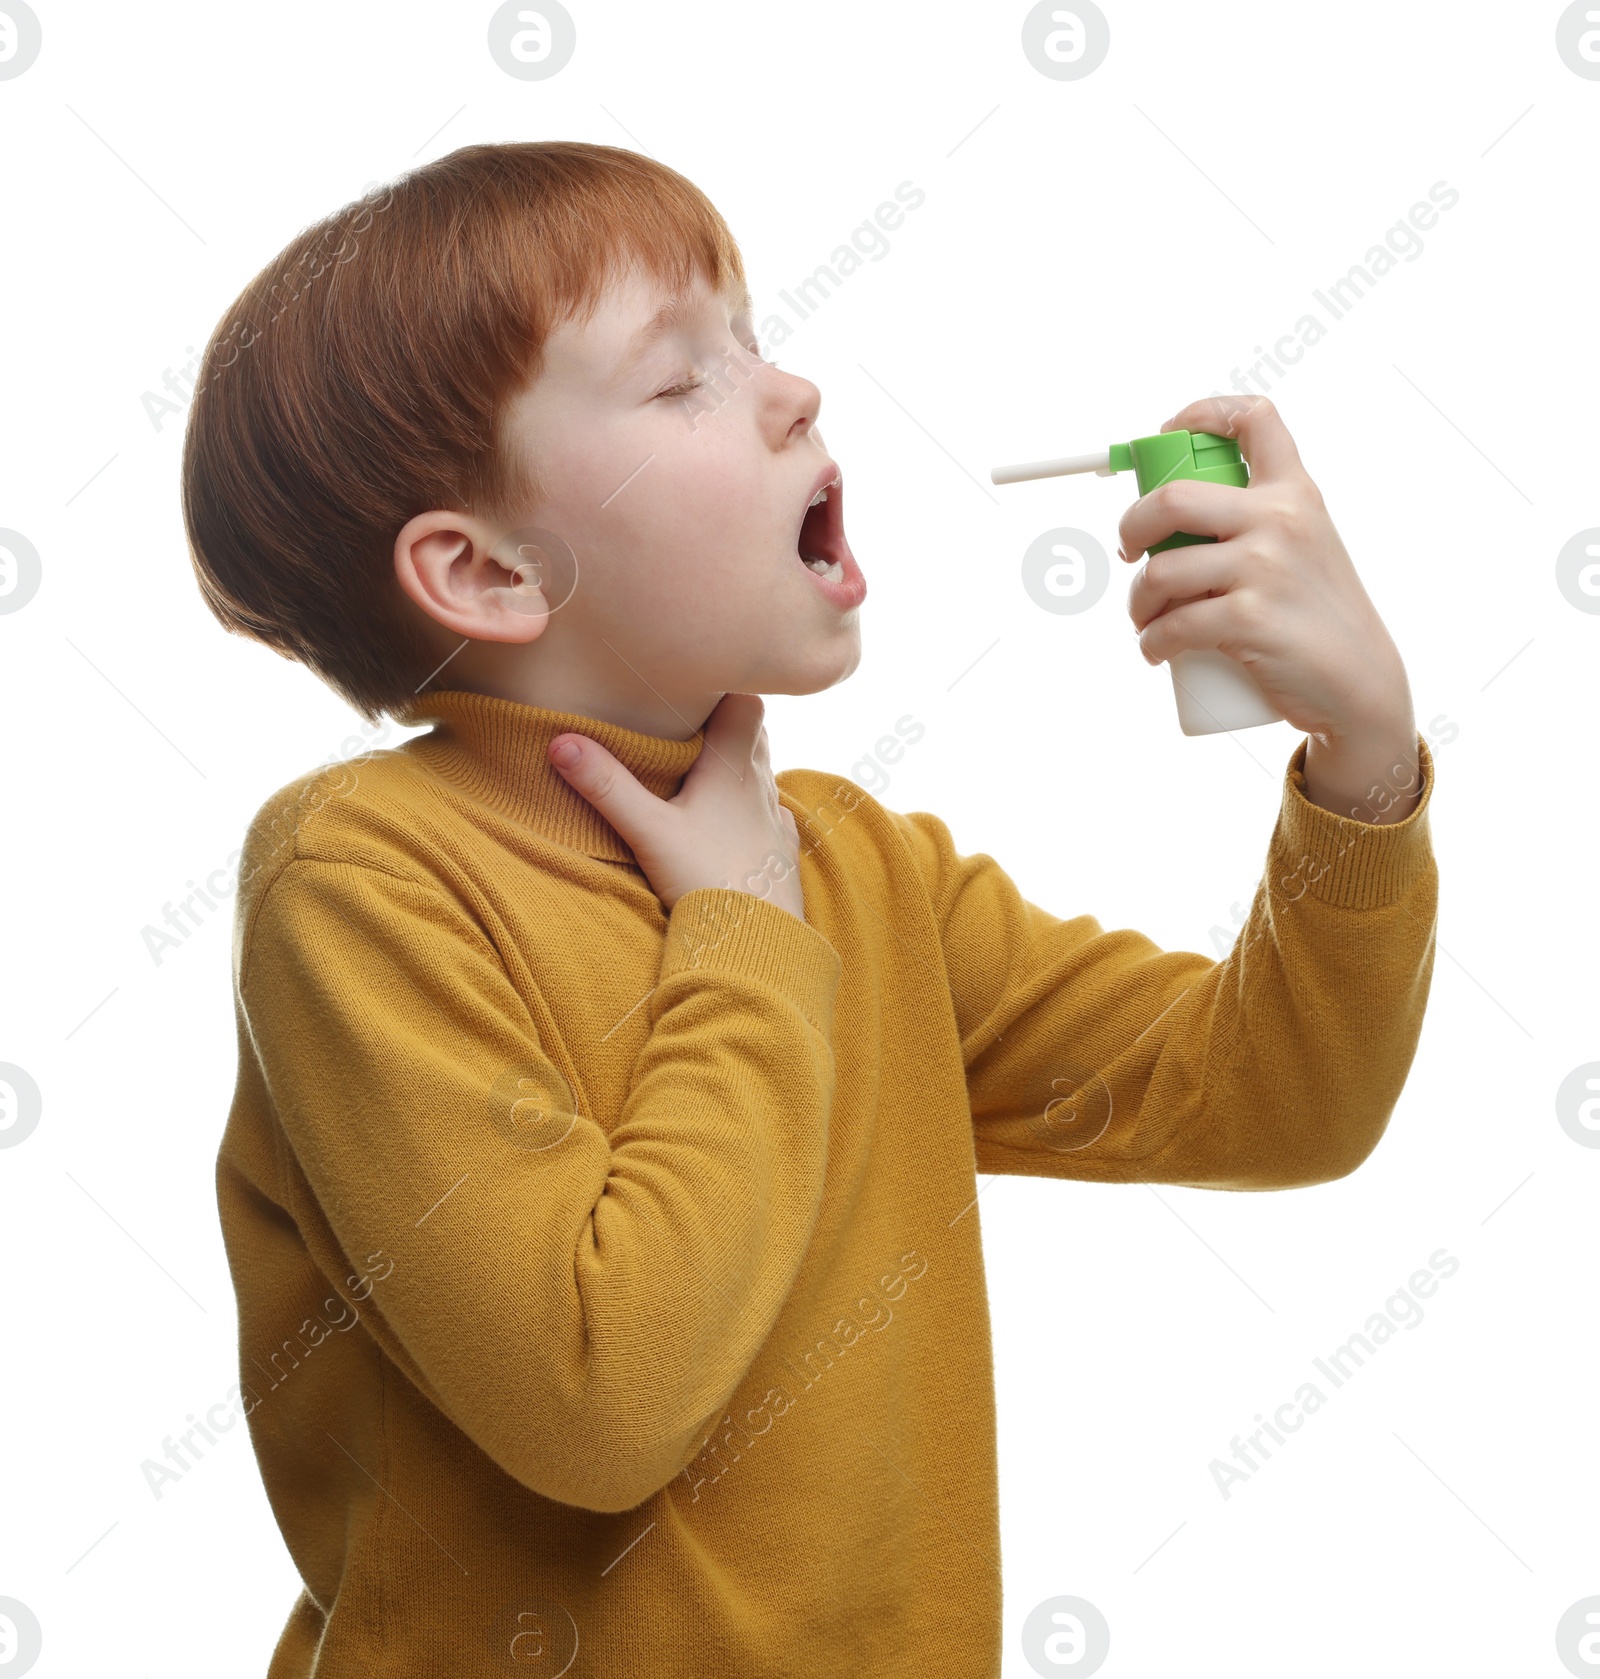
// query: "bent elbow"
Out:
[606,1495]
[1339,1157]
[604,1470]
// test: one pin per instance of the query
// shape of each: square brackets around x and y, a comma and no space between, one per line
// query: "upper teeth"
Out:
[821,495]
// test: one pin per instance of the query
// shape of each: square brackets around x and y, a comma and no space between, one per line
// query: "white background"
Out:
[1091,255]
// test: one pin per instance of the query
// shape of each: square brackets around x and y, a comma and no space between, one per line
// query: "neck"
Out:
[673,712]
[494,751]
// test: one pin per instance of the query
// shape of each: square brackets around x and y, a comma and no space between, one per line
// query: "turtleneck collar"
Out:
[497,752]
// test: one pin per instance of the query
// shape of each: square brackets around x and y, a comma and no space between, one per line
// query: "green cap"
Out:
[1181,454]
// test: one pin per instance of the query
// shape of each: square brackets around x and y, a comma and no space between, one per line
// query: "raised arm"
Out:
[1098,1055]
[579,1305]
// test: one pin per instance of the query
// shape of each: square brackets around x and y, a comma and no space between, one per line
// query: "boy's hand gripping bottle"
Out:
[1214,693]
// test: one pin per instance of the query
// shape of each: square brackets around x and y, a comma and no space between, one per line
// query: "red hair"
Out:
[359,379]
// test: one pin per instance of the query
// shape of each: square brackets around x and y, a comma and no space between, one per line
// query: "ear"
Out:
[472,579]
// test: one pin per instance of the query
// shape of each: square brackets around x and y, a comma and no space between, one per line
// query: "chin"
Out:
[851,661]
[831,664]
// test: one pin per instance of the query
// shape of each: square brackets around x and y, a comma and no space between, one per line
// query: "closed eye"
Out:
[688,385]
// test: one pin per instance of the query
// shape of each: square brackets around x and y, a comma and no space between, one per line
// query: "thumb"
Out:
[609,786]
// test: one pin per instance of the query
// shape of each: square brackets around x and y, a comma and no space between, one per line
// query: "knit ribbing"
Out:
[1342,860]
[497,752]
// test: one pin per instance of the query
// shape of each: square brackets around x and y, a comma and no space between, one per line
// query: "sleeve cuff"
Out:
[736,935]
[1342,861]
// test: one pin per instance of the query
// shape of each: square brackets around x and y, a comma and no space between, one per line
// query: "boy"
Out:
[599,1184]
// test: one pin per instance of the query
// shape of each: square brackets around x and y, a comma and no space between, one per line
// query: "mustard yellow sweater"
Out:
[611,1299]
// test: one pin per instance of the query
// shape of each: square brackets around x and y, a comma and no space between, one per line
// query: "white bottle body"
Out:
[1216,693]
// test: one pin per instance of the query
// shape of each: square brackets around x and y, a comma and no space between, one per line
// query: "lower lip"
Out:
[851,589]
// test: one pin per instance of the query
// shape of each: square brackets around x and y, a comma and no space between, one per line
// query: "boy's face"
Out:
[682,466]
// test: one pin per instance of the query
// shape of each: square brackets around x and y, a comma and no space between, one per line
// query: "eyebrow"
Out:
[661,323]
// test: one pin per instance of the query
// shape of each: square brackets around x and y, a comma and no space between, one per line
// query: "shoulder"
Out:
[833,811]
[358,841]
[369,812]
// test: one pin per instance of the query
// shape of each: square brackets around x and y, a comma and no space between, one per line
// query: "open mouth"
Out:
[821,544]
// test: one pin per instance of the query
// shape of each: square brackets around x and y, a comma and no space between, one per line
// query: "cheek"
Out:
[691,528]
[704,511]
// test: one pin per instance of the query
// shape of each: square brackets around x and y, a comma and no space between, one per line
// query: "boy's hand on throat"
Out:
[725,828]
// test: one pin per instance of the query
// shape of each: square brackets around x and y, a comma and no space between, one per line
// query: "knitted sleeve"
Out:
[1098,1055]
[578,1304]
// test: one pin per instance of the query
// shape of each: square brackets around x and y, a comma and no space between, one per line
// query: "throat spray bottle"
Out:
[1214,693]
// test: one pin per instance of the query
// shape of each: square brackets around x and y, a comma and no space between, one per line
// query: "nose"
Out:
[795,403]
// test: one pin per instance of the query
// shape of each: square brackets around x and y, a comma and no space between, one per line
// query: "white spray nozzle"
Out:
[1099,462]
